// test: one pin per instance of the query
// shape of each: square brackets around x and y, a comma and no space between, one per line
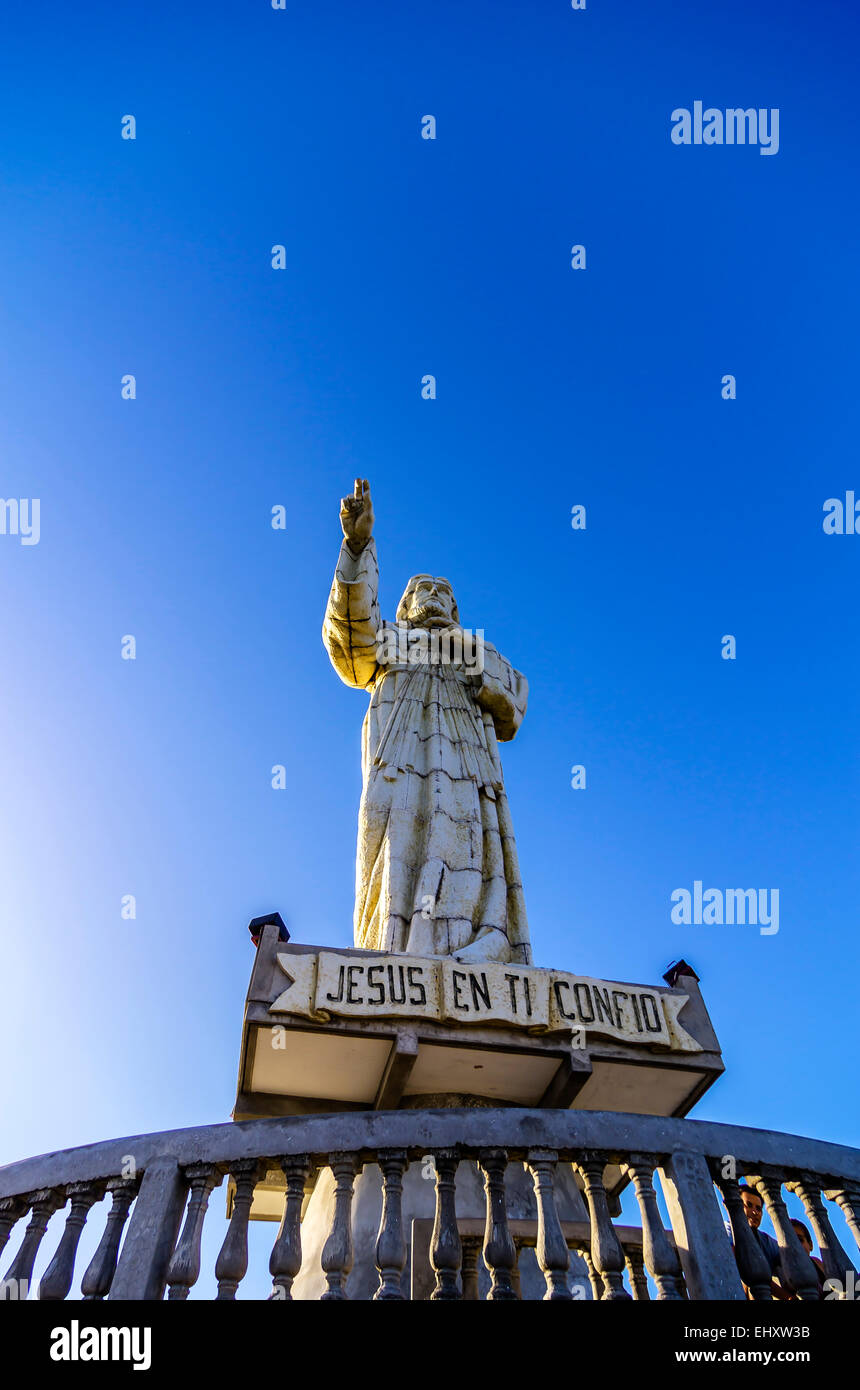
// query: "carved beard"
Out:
[431,615]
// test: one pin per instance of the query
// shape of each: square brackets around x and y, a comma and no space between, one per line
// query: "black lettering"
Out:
[602,1005]
[336,998]
[456,977]
[528,990]
[581,1006]
[616,995]
[635,1002]
[416,984]
[374,984]
[482,989]
[392,992]
[654,1027]
[558,986]
[512,986]
[351,984]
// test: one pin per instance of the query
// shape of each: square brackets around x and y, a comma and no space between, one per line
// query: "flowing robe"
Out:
[437,872]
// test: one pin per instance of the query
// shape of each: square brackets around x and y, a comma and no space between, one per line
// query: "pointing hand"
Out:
[356,516]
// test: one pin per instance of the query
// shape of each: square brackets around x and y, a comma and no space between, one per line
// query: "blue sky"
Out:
[258,387]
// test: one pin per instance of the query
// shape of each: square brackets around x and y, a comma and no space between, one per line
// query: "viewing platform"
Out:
[153,1223]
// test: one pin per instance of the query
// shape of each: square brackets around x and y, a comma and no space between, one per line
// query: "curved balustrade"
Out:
[160,1211]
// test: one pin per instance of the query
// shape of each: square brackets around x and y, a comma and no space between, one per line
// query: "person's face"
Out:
[803,1238]
[432,603]
[752,1209]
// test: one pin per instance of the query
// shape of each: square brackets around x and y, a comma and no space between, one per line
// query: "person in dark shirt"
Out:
[753,1210]
[805,1239]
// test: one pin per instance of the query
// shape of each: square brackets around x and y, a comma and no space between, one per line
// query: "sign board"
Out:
[322,985]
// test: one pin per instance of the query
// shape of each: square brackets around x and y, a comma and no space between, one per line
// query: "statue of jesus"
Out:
[437,872]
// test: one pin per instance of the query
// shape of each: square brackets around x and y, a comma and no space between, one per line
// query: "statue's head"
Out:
[428,601]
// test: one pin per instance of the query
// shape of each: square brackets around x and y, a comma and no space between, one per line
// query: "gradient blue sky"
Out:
[257,387]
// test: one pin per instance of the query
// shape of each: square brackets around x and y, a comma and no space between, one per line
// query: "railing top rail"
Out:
[419,1131]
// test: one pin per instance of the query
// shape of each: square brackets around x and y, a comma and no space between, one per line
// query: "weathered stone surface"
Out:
[419,1202]
[351,1139]
[704,1249]
[437,870]
[152,1232]
[513,1129]
[325,984]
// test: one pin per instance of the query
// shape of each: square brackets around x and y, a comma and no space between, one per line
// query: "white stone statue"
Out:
[437,872]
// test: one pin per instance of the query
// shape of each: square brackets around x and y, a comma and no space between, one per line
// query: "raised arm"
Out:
[352,618]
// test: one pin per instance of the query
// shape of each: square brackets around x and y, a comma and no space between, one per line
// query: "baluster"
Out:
[753,1265]
[605,1246]
[471,1250]
[635,1263]
[798,1270]
[594,1279]
[43,1203]
[390,1245]
[232,1263]
[337,1251]
[57,1279]
[834,1259]
[499,1253]
[184,1268]
[286,1257]
[847,1198]
[11,1211]
[551,1250]
[660,1256]
[99,1273]
[445,1248]
[516,1282]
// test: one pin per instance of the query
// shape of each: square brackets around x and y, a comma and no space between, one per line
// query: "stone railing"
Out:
[524,1234]
[160,1208]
